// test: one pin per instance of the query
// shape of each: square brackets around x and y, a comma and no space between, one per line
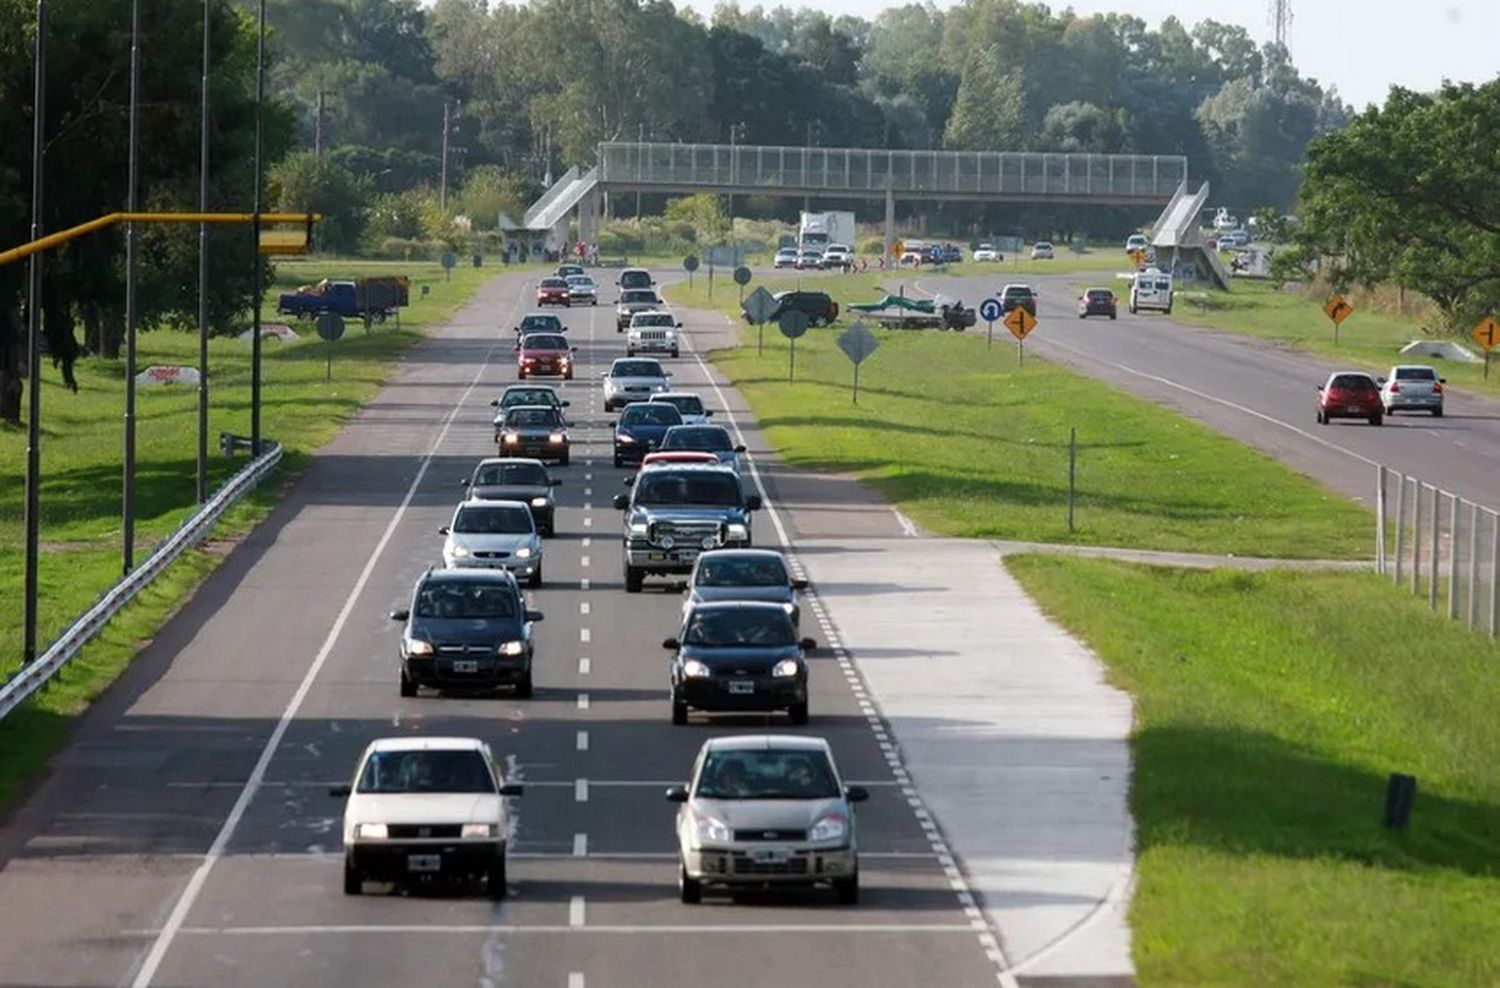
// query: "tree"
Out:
[489,193]
[1078,127]
[990,112]
[305,183]
[704,212]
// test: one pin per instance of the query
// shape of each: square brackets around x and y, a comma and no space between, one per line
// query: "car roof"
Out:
[675,394]
[647,360]
[704,467]
[1351,373]
[765,742]
[714,606]
[542,315]
[421,742]
[479,502]
[470,576]
[742,554]
[488,460]
[528,408]
[677,457]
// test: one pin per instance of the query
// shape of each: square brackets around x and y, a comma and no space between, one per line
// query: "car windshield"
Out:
[1416,374]
[654,319]
[650,413]
[741,571]
[740,627]
[532,416]
[635,279]
[711,438]
[542,324]
[638,297]
[535,342]
[494,520]
[516,474]
[635,368]
[791,774]
[1352,382]
[686,404]
[553,283]
[426,771]
[580,281]
[454,599]
[712,489]
[528,396]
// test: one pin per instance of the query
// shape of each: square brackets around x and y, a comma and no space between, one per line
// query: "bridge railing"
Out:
[977,173]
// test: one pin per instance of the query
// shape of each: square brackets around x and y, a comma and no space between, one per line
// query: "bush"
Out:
[872,246]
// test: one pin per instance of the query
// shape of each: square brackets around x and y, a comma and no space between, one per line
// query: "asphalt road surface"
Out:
[1252,390]
[185,836]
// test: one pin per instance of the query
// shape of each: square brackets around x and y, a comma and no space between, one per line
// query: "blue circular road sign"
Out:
[989,309]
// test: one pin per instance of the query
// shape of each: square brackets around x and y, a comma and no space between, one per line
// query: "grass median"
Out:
[1270,710]
[81,470]
[968,443]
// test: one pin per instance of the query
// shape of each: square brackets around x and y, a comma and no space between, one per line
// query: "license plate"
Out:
[656,557]
[1351,408]
[741,687]
[466,665]
[423,862]
[770,855]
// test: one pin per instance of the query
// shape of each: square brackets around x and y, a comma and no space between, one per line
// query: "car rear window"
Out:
[1353,382]
[1017,291]
[635,279]
[1416,374]
[1100,294]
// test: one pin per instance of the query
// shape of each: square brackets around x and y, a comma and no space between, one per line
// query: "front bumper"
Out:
[533,449]
[403,860]
[652,346]
[769,865]
[632,453]
[442,674]
[678,559]
[765,692]
[518,567]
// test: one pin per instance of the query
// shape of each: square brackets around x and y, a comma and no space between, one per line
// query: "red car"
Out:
[539,354]
[553,291]
[1350,395]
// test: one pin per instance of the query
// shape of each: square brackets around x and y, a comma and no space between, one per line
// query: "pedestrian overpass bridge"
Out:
[856,174]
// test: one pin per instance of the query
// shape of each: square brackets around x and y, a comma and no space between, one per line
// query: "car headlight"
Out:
[710,541]
[711,829]
[667,542]
[658,387]
[372,831]
[734,530]
[640,529]
[416,646]
[785,668]
[474,831]
[834,826]
[693,669]
[538,502]
[458,552]
[556,437]
[624,438]
[525,552]
[789,607]
[511,648]
[511,437]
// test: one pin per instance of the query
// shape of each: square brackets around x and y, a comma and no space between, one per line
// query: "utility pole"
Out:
[318,124]
[443,179]
[1281,21]
[132,194]
[256,288]
[203,267]
[34,341]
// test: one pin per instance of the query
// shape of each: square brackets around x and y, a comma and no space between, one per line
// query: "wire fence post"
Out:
[1473,565]
[1495,576]
[1416,535]
[1400,525]
[1432,570]
[1380,519]
[1072,471]
[1455,508]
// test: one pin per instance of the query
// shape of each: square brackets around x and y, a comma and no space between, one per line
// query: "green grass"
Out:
[1270,710]
[1367,339]
[967,443]
[80,492]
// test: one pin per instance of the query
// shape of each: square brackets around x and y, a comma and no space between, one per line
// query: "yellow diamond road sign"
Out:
[1487,333]
[1338,309]
[1020,322]
[897,248]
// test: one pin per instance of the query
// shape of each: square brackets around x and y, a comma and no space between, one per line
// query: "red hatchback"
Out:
[544,353]
[553,291]
[1350,395]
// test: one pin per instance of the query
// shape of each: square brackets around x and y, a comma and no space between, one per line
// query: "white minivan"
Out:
[1151,289]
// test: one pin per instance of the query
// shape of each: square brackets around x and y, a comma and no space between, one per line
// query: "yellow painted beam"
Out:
[112,219]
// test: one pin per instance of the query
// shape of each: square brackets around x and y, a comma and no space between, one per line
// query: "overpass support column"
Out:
[588,217]
[890,220]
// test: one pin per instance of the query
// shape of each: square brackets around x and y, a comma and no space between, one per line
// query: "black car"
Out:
[739,656]
[539,322]
[713,439]
[534,430]
[820,308]
[516,479]
[466,630]
[1097,302]
[525,394]
[1023,296]
[640,429]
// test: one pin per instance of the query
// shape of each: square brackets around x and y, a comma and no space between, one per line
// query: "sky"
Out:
[1360,46]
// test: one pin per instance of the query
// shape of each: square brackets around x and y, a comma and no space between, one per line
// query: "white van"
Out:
[1151,289]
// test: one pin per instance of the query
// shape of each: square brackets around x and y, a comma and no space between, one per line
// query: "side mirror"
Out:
[568,403]
[677,794]
[494,402]
[341,791]
[621,502]
[671,643]
[707,413]
[512,789]
[856,794]
[400,615]
[572,349]
[752,503]
[739,449]
[799,584]
[679,324]
[1442,380]
[627,481]
[808,644]
[534,615]
[444,530]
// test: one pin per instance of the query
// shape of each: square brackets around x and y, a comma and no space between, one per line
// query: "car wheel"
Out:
[523,687]
[1167,311]
[536,577]
[674,353]
[550,531]
[562,461]
[1132,310]
[689,890]
[798,712]
[568,376]
[847,889]
[634,578]
[1112,315]
[629,352]
[1082,315]
[679,710]
[1377,419]
[618,462]
[354,881]
[496,877]
[408,685]
[1437,413]
[521,375]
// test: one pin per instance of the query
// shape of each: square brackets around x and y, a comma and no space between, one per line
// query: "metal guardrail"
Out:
[33,677]
[869,170]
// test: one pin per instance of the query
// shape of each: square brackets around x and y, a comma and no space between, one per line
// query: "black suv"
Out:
[466,630]
[1023,296]
[821,310]
[673,513]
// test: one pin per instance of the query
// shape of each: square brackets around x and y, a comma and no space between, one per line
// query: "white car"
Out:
[809,259]
[1135,242]
[632,379]
[652,331]
[786,257]
[1151,289]
[688,405]
[1412,388]
[911,259]
[986,252]
[1042,251]
[836,256]
[422,809]
[494,535]
[766,809]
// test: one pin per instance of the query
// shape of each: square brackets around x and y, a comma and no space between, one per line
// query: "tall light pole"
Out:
[34,337]
[132,196]
[255,284]
[203,270]
[443,177]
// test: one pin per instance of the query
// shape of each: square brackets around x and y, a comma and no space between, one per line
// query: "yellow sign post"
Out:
[897,248]
[1020,323]
[270,241]
[1337,309]
[1487,335]
[1139,257]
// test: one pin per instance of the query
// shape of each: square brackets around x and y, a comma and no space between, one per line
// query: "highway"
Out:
[185,836]
[1251,389]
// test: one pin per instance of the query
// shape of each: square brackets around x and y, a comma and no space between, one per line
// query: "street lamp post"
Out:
[34,340]
[203,271]
[255,341]
[132,196]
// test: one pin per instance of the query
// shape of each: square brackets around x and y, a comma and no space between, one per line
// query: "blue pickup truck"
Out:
[368,299]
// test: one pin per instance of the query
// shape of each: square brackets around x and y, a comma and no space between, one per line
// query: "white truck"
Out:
[819,230]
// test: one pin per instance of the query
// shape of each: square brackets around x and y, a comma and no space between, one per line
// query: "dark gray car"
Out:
[745,574]
[516,479]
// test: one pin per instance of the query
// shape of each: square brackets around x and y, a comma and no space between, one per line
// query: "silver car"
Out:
[633,379]
[633,300]
[652,332]
[688,405]
[745,574]
[581,289]
[1412,388]
[494,535]
[766,809]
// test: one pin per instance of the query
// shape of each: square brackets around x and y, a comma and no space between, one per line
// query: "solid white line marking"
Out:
[583,701]
[584,665]
[575,911]
[580,790]
[196,881]
[583,741]
[695,928]
[580,845]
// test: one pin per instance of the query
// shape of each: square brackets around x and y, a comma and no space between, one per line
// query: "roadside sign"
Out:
[157,374]
[1020,323]
[690,263]
[1338,309]
[742,275]
[857,342]
[759,306]
[1138,256]
[330,326]
[989,309]
[1487,334]
[793,323]
[449,261]
[897,248]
